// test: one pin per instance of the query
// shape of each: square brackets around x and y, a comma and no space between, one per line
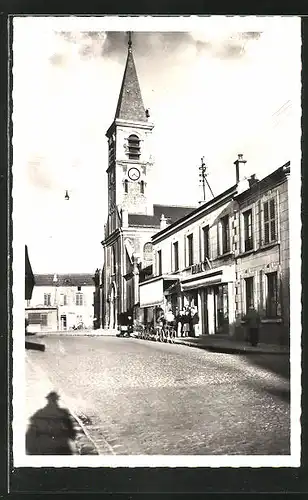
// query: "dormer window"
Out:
[133,147]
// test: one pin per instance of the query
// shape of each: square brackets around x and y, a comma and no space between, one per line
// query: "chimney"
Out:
[252,180]
[241,180]
[163,222]
[237,163]
[124,214]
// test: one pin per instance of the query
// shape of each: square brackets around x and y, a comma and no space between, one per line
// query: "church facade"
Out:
[132,218]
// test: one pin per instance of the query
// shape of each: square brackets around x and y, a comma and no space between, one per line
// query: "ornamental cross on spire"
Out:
[129,41]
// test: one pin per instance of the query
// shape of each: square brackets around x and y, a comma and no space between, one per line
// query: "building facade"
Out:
[61,302]
[132,216]
[262,259]
[227,254]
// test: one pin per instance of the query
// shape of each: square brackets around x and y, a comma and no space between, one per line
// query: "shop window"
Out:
[248,241]
[159,262]
[133,147]
[175,247]
[205,237]
[47,299]
[272,295]
[34,318]
[225,234]
[249,293]
[190,249]
[44,319]
[79,299]
[269,215]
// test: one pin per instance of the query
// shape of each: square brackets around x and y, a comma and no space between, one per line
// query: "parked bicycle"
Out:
[169,333]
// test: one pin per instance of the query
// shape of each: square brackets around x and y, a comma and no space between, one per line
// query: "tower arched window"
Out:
[126,186]
[142,187]
[133,147]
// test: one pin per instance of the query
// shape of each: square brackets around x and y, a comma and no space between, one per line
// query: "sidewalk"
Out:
[228,345]
[38,386]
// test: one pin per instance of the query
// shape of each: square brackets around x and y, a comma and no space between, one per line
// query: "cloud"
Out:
[39,174]
[97,44]
[57,59]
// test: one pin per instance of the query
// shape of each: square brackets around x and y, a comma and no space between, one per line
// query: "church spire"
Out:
[130,104]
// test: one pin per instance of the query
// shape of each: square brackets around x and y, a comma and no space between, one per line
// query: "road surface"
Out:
[141,397]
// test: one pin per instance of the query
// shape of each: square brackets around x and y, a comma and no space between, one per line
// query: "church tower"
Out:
[129,148]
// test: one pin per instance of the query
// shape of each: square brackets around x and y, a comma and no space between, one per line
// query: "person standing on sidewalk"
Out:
[195,321]
[178,322]
[186,323]
[253,321]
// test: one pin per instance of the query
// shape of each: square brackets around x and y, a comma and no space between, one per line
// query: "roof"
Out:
[75,279]
[130,104]
[171,212]
[194,212]
[267,182]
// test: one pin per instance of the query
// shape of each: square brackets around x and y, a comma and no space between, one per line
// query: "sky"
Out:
[215,87]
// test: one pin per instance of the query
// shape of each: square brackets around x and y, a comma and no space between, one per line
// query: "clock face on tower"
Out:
[133,174]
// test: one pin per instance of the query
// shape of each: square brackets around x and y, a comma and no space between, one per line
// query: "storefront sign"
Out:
[199,268]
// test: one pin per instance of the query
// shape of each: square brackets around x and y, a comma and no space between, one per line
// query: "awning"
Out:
[191,285]
[152,292]
[175,288]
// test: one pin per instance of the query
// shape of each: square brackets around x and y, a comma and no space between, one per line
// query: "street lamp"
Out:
[67,196]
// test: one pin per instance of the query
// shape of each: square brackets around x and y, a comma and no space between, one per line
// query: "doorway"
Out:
[221,309]
[63,322]
[204,312]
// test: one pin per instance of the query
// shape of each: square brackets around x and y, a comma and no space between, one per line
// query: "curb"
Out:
[231,350]
[68,334]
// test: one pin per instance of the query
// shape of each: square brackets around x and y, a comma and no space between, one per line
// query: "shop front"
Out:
[152,296]
[213,295]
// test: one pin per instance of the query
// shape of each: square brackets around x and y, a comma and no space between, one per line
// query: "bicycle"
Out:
[170,334]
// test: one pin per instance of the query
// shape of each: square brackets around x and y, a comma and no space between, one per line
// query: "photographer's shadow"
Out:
[50,430]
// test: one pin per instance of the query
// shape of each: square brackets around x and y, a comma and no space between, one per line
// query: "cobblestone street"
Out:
[140,397]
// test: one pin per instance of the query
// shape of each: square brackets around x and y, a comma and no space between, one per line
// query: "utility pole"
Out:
[203,178]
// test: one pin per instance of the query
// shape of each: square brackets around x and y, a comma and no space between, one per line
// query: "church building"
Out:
[132,218]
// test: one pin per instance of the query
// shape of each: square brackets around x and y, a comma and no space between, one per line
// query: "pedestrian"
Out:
[195,321]
[178,323]
[160,323]
[170,317]
[160,319]
[253,321]
[186,323]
